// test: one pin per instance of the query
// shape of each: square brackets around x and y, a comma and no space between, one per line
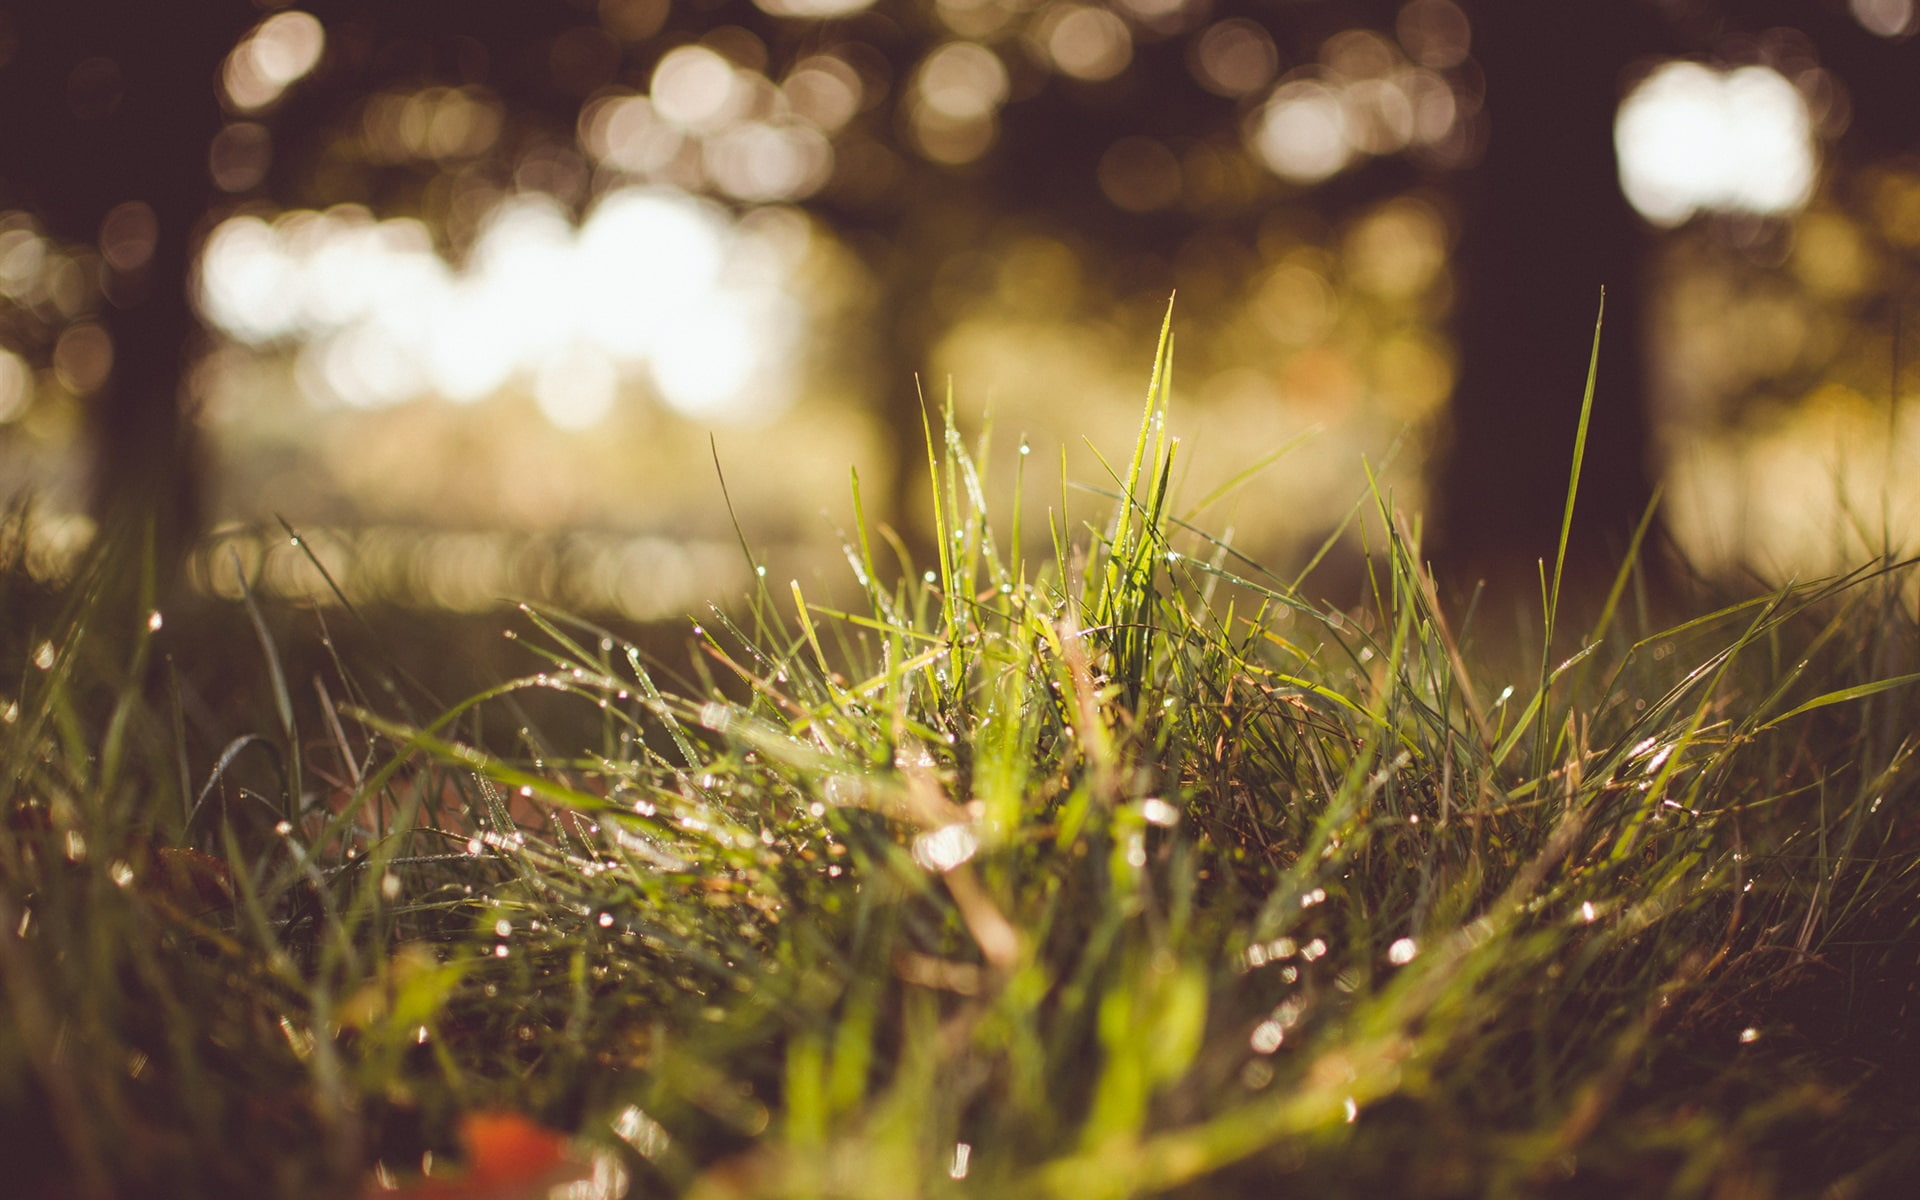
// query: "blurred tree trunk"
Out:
[1545,228]
[110,103]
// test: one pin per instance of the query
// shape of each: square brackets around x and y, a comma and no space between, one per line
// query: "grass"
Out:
[1124,872]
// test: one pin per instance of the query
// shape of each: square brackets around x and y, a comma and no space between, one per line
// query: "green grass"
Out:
[1120,871]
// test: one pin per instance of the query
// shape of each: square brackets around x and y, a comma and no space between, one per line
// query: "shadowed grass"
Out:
[1125,872]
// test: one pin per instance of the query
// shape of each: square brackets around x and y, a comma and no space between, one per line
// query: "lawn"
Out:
[1120,869]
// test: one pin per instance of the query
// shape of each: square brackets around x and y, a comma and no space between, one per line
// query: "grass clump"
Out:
[1128,872]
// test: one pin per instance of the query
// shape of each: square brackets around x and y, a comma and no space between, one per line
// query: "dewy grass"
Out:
[1124,872]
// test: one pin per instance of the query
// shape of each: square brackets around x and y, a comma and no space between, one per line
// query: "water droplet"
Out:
[283,828]
[155,621]
[1025,449]
[957,1169]
[500,951]
[947,847]
[1313,949]
[1316,896]
[1352,1109]
[606,920]
[1587,912]
[1267,1036]
[43,656]
[1749,1035]
[526,790]
[1402,951]
[503,928]
[760,571]
[120,872]
[474,845]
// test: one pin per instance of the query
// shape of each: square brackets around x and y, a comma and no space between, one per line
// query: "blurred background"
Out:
[487,299]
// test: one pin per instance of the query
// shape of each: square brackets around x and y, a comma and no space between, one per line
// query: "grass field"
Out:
[1119,870]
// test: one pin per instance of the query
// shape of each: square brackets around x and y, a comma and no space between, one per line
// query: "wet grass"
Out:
[1122,871]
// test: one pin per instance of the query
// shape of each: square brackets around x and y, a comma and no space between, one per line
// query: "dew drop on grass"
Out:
[927,576]
[474,845]
[1749,1035]
[1402,951]
[390,886]
[155,621]
[1587,912]
[606,920]
[503,928]
[43,656]
[1351,1108]
[957,1169]
[500,951]
[283,828]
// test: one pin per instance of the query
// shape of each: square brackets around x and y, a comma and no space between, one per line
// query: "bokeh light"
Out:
[647,287]
[1234,58]
[812,9]
[1085,42]
[1362,99]
[1692,139]
[1435,33]
[957,93]
[1888,18]
[277,53]
[16,386]
[1301,132]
